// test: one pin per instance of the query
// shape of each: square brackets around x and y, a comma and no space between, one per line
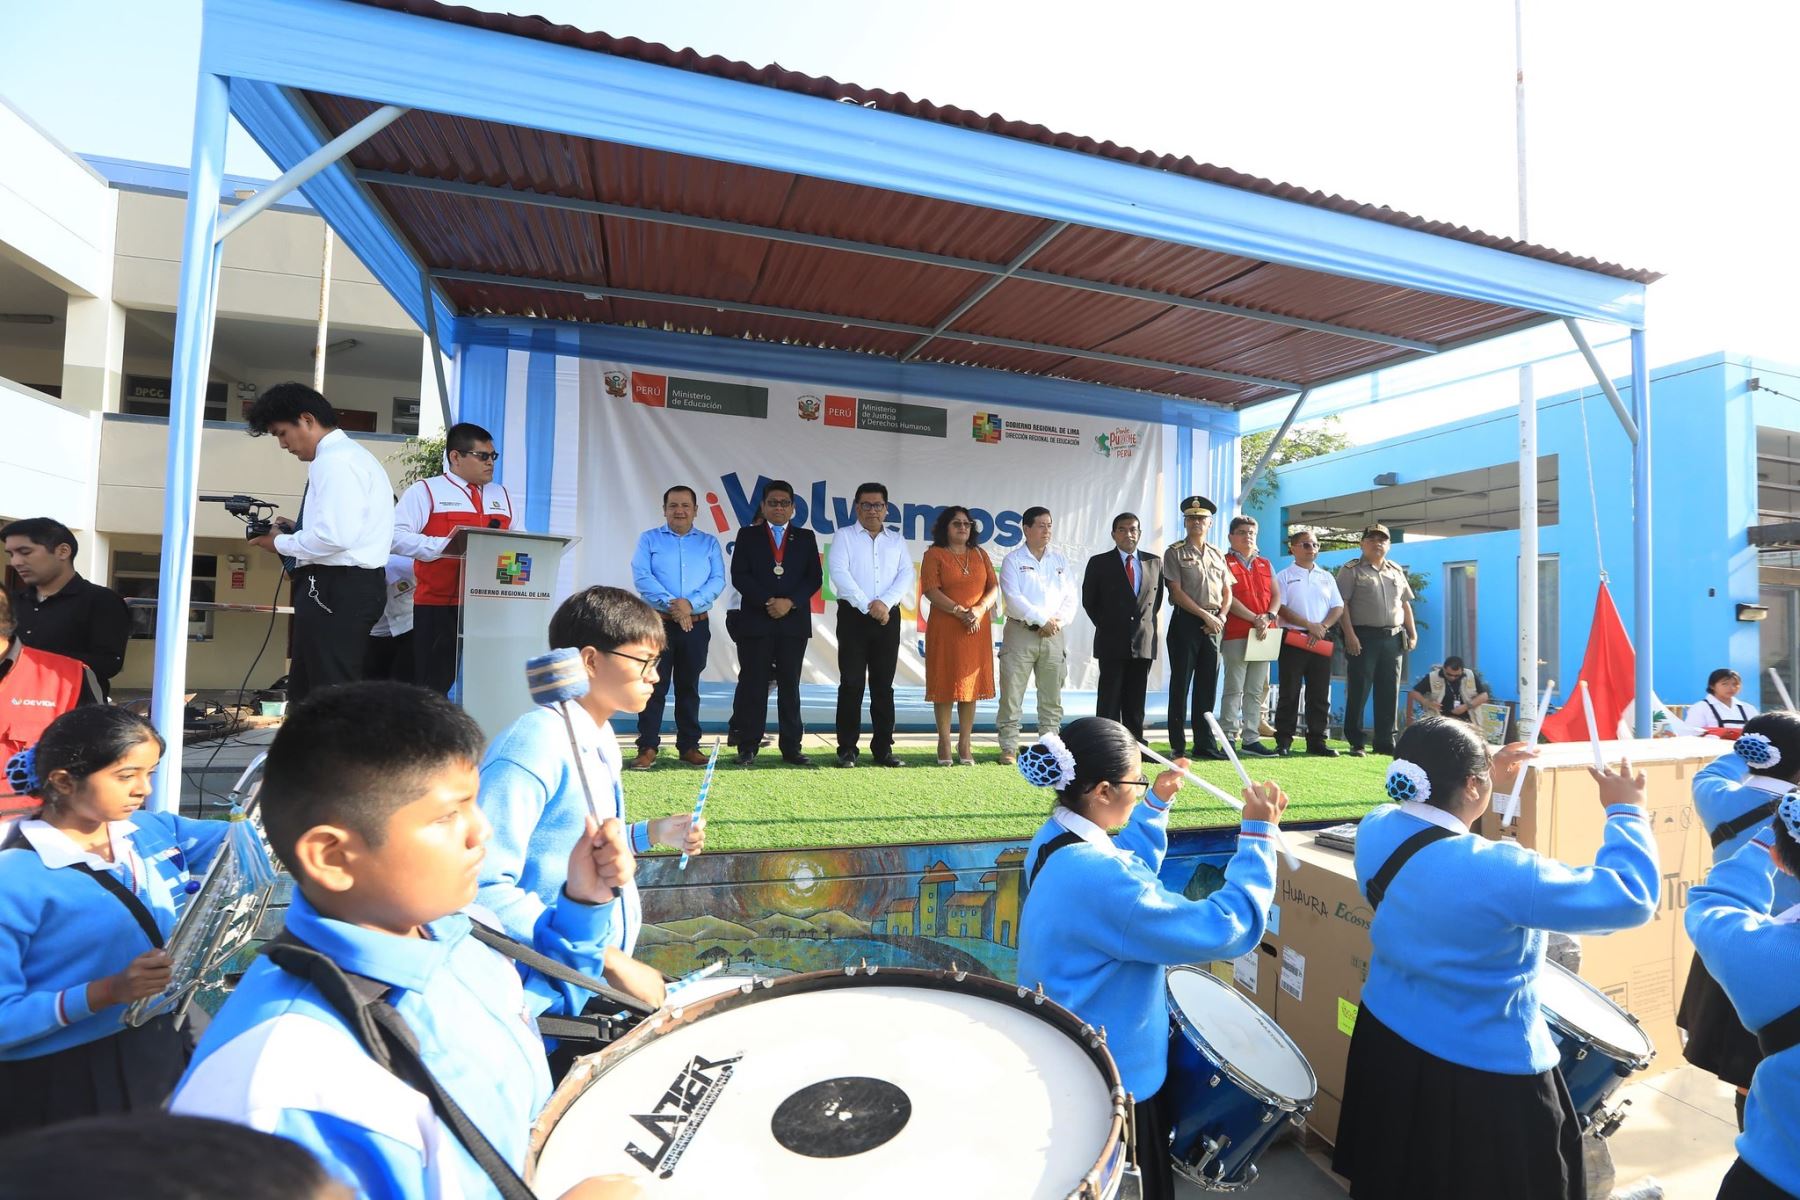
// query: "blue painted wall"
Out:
[1704,421]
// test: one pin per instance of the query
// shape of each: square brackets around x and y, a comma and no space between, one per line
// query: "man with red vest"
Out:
[430,512]
[1255,602]
[36,687]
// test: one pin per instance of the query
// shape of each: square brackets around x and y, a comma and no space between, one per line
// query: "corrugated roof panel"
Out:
[1041,312]
[1121,258]
[860,285]
[1379,307]
[999,358]
[776,76]
[1196,338]
[866,214]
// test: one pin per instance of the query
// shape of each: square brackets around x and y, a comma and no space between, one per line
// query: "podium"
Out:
[509,586]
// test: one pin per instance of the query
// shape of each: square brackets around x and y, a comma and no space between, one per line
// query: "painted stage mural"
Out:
[781,912]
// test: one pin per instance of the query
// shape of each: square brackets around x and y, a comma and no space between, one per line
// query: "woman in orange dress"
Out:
[963,588]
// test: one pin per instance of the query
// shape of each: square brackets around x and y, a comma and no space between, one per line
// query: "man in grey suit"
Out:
[1121,592]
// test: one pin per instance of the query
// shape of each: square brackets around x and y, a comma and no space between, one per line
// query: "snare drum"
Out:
[1235,1080]
[1600,1042]
[845,1083]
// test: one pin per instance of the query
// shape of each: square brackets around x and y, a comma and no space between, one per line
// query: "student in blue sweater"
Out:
[531,786]
[1452,1087]
[89,891]
[383,1031]
[1098,928]
[1752,947]
[1736,800]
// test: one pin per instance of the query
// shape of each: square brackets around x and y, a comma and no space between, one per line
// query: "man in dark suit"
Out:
[775,568]
[1121,592]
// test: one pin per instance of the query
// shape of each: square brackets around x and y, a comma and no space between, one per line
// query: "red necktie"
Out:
[1131,570]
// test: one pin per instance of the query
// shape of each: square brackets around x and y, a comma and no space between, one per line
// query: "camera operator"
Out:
[336,552]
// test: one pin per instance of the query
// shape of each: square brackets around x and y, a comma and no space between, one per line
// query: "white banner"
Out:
[645,430]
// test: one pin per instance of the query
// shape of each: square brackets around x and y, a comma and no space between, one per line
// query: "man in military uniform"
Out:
[1199,585]
[1378,632]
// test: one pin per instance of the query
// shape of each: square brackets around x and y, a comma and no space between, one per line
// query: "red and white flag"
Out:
[1610,671]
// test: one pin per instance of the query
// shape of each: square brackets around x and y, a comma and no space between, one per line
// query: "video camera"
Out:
[255,514]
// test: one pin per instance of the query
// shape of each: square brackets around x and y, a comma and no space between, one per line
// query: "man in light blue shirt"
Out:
[679,571]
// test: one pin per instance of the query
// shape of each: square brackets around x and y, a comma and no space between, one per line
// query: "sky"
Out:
[1658,134]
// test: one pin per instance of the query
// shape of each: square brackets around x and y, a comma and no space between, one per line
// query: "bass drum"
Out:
[872,1081]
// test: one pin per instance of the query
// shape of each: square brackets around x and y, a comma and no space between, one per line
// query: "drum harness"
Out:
[1384,878]
[361,1002]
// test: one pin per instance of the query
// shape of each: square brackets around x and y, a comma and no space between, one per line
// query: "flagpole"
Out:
[1528,444]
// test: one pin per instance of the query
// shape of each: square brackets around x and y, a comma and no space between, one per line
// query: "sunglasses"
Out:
[485,456]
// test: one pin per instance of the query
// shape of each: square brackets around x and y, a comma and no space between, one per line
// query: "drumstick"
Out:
[691,978]
[1587,706]
[1510,811]
[1787,701]
[712,765]
[555,679]
[1287,852]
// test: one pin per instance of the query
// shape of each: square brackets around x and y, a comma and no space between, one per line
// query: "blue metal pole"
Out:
[194,316]
[1641,633]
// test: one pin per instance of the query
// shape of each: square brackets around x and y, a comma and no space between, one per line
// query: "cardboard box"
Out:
[1644,969]
[1255,975]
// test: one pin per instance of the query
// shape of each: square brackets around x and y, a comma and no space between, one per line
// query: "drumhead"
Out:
[1585,1010]
[1241,1035]
[817,1087]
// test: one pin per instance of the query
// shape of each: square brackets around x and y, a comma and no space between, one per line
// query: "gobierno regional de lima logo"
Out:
[514,568]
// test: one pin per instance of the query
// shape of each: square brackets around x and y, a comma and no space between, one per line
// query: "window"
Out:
[136,574]
[1459,612]
[1549,617]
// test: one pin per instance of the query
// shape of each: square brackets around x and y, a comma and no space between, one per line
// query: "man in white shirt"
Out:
[872,575]
[425,521]
[336,552]
[1041,595]
[1312,605]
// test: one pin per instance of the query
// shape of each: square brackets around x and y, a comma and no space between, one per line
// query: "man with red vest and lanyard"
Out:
[36,687]
[430,512]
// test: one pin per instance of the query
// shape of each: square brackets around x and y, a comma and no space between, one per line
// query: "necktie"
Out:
[780,532]
[1131,570]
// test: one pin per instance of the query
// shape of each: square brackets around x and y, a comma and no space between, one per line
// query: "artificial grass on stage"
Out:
[773,806]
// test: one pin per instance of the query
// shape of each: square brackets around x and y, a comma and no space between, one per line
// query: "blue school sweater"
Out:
[61,930]
[1724,789]
[279,1059]
[1098,929]
[1756,959]
[1459,938]
[531,794]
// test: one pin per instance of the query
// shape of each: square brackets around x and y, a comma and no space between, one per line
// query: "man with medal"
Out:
[775,568]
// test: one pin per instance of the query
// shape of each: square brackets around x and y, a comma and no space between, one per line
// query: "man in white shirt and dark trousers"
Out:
[872,575]
[1041,595]
[1312,605]
[336,552]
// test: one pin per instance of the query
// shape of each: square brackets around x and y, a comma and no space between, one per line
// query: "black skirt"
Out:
[1154,1165]
[1716,1039]
[134,1070]
[1414,1125]
[1743,1182]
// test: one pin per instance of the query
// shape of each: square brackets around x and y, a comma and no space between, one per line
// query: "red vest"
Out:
[454,504]
[39,688]
[1253,589]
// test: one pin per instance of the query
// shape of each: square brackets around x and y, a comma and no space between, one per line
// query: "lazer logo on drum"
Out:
[677,1116]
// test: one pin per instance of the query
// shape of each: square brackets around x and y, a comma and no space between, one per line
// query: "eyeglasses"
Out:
[646,666]
[962,524]
[1131,783]
[771,502]
[873,505]
[486,456]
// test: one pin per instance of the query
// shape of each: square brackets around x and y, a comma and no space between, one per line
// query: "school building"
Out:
[1725,512]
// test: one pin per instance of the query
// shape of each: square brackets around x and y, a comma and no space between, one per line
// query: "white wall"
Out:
[47,460]
[56,214]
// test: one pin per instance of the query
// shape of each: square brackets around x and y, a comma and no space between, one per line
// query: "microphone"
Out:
[493,522]
[555,679]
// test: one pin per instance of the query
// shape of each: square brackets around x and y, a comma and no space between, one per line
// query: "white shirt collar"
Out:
[57,849]
[1433,815]
[1774,787]
[1788,916]
[330,440]
[1085,829]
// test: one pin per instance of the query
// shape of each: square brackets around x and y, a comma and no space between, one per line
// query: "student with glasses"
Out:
[775,568]
[425,520]
[534,790]
[1098,928]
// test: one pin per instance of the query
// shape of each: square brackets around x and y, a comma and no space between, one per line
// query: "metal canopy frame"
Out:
[259,56]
